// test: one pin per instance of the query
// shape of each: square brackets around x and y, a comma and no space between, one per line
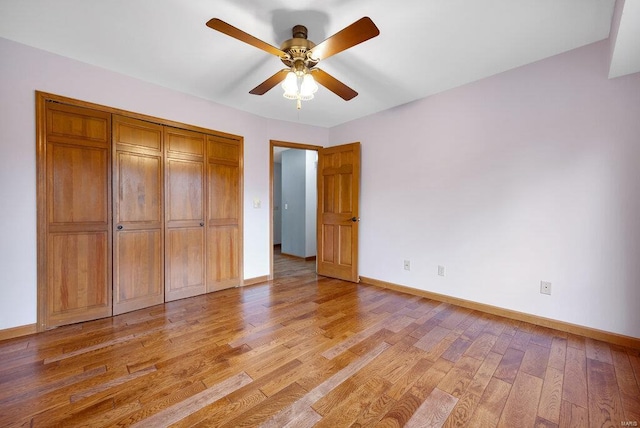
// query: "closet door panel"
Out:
[138,273]
[138,279]
[140,189]
[223,265]
[185,263]
[184,213]
[79,272]
[185,189]
[224,195]
[78,183]
[76,258]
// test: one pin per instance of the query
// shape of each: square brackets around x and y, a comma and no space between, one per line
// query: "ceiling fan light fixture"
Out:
[308,87]
[290,86]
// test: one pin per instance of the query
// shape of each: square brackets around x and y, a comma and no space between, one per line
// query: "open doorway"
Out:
[293,172]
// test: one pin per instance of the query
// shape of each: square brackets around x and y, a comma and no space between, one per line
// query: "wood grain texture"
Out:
[338,199]
[574,388]
[138,215]
[605,406]
[522,405]
[551,396]
[433,411]
[303,351]
[75,206]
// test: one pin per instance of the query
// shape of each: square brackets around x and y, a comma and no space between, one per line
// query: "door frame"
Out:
[272,145]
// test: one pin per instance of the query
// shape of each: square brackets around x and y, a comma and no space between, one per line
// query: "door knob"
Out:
[354,219]
[120,227]
[201,223]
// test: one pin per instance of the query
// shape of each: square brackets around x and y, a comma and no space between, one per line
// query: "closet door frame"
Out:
[41,140]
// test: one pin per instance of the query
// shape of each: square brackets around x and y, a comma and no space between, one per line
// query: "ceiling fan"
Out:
[301,56]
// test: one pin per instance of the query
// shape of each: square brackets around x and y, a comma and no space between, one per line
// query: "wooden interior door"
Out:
[338,194]
[224,212]
[184,214]
[138,256]
[76,158]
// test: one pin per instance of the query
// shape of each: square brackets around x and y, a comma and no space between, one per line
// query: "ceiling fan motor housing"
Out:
[297,48]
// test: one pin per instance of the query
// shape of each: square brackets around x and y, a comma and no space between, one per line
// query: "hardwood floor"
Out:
[305,350]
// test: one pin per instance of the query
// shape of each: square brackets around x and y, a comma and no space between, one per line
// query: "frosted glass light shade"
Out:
[308,87]
[290,86]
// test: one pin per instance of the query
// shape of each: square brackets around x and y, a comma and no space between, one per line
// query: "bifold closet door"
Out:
[76,212]
[184,214]
[224,195]
[138,215]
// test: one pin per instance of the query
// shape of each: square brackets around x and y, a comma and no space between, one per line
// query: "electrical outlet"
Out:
[545,287]
[407,265]
[440,270]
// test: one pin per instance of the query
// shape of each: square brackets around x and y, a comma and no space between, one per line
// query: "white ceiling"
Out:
[424,46]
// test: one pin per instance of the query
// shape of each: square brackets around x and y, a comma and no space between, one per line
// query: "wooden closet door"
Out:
[138,256]
[77,213]
[184,214]
[224,211]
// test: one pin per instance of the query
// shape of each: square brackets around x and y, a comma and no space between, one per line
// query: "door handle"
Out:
[120,227]
[355,219]
[201,223]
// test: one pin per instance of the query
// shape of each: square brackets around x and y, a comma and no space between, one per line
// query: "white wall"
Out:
[23,70]
[530,175]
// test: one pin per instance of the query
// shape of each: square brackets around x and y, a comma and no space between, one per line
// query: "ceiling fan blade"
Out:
[230,30]
[333,84]
[268,84]
[356,33]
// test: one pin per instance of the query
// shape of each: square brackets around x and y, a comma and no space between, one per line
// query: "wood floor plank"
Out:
[481,346]
[460,376]
[426,383]
[484,374]
[629,389]
[374,412]
[574,388]
[457,348]
[461,413]
[535,360]
[434,411]
[520,340]
[551,396]
[406,382]
[253,415]
[522,405]
[348,410]
[432,338]
[180,410]
[457,317]
[573,416]
[557,354]
[305,419]
[509,365]
[502,343]
[605,406]
[491,404]
[401,412]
